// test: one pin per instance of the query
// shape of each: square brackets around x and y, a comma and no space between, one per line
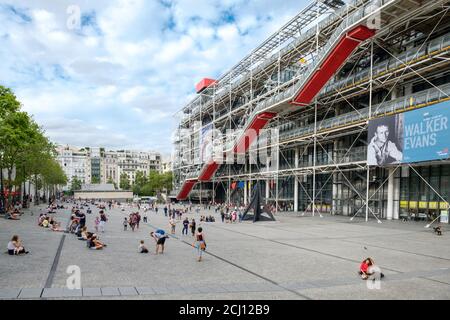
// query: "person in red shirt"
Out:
[364,267]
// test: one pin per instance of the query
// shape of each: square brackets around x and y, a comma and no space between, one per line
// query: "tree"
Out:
[8,102]
[124,182]
[8,105]
[139,182]
[76,184]
[25,149]
[167,181]
[155,182]
[95,180]
[18,134]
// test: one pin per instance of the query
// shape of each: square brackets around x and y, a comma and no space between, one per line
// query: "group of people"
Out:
[160,237]
[187,225]
[77,220]
[47,221]
[207,219]
[100,222]
[13,212]
[78,227]
[230,217]
[133,220]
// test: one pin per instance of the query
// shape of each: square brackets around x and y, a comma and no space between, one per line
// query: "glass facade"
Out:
[95,169]
[424,197]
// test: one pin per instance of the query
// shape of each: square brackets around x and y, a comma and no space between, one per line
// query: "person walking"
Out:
[165,211]
[144,218]
[185,226]
[96,223]
[172,225]
[200,243]
[132,221]
[193,225]
[103,220]
[222,215]
[138,219]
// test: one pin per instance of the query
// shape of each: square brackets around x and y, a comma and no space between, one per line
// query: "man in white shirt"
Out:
[381,151]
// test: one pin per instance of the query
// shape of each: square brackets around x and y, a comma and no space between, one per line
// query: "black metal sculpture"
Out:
[259,213]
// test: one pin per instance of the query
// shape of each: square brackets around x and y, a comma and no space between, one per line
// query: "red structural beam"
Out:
[208,171]
[203,84]
[186,189]
[252,131]
[346,45]
[344,48]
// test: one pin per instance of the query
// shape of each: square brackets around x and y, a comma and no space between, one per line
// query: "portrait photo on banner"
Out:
[385,140]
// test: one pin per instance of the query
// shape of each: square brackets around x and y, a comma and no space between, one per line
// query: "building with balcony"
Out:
[94,165]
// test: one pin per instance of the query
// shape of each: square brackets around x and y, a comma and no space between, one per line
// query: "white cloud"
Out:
[132,65]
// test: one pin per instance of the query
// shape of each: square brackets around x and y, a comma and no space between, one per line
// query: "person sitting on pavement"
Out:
[45,222]
[84,234]
[366,269]
[41,219]
[10,215]
[56,227]
[95,243]
[142,248]
[15,246]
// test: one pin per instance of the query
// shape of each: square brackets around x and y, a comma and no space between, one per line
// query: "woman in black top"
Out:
[201,244]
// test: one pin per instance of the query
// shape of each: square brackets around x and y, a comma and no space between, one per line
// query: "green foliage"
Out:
[76,184]
[124,182]
[25,148]
[95,180]
[8,102]
[154,183]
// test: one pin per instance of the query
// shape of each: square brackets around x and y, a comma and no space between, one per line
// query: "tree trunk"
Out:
[36,197]
[9,187]
[2,195]
[24,191]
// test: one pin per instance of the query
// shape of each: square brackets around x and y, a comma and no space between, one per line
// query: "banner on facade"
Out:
[206,143]
[414,136]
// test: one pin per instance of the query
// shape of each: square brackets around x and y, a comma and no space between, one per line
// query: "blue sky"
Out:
[118,80]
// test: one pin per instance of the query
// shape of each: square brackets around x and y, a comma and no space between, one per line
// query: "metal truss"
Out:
[239,100]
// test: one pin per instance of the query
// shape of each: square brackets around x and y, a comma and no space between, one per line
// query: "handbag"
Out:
[203,245]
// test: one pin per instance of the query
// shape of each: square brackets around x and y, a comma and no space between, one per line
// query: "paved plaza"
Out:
[293,258]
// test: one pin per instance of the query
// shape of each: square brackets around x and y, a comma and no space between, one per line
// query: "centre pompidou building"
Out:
[349,99]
